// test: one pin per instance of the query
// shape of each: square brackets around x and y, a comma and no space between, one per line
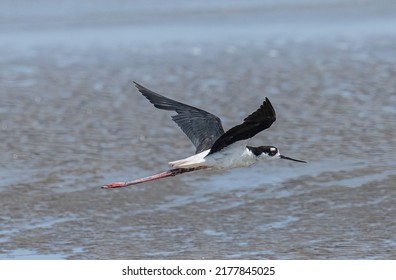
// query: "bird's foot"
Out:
[114,185]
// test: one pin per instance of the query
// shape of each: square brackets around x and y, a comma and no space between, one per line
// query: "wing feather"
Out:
[201,127]
[256,122]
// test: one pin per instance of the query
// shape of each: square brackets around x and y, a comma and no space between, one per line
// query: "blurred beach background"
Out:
[71,121]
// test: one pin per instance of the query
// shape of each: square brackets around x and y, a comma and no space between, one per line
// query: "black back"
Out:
[201,127]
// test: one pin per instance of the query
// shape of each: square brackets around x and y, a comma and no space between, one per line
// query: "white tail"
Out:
[194,161]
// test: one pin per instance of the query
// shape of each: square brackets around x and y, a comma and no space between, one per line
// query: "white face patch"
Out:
[273,151]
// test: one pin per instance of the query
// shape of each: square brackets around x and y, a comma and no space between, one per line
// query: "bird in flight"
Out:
[215,149]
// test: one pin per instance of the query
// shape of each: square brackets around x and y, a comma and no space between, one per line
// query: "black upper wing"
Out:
[201,127]
[253,124]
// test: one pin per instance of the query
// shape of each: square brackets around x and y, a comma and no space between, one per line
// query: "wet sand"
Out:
[71,121]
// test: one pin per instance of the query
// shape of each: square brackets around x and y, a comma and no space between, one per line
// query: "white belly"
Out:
[228,159]
[235,155]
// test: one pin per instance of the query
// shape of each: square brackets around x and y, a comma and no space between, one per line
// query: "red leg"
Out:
[169,173]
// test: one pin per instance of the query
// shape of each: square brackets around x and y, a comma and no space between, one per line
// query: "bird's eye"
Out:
[273,151]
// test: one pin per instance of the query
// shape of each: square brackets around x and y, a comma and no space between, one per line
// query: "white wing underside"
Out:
[234,155]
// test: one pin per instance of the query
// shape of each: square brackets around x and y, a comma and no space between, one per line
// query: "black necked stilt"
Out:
[215,148]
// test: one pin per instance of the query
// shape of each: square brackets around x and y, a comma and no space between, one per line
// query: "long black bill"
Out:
[292,159]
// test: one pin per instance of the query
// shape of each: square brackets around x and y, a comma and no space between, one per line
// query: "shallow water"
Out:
[71,121]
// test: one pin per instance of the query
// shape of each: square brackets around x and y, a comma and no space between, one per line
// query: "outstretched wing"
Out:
[201,127]
[253,124]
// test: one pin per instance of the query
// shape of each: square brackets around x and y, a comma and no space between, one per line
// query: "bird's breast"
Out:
[228,159]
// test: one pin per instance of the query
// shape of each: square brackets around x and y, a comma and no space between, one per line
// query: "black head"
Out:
[271,152]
